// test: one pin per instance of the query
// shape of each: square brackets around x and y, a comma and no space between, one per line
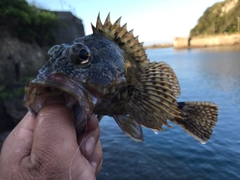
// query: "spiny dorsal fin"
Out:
[122,37]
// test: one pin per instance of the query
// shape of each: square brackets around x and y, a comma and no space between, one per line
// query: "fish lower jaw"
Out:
[38,96]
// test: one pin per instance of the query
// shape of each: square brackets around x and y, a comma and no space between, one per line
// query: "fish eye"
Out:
[83,56]
[80,54]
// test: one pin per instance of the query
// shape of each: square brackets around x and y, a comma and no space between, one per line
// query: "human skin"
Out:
[46,147]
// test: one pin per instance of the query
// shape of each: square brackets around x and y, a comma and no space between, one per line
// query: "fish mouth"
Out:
[76,97]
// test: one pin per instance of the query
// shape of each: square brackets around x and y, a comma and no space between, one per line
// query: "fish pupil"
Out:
[83,54]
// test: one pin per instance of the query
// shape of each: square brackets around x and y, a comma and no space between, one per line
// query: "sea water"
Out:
[209,74]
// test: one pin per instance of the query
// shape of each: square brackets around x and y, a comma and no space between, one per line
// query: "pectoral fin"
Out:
[153,96]
[130,127]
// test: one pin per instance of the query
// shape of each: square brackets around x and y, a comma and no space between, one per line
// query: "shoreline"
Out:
[155,46]
[207,41]
[200,42]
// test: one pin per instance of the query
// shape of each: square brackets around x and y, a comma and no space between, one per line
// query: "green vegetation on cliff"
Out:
[27,22]
[218,19]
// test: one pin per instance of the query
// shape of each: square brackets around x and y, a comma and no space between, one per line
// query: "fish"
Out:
[108,73]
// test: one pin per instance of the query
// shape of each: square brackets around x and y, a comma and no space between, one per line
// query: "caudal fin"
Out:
[199,119]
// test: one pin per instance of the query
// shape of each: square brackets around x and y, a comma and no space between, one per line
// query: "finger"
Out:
[89,139]
[19,142]
[92,123]
[54,135]
[96,158]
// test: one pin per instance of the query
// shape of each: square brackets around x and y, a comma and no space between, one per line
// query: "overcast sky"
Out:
[155,21]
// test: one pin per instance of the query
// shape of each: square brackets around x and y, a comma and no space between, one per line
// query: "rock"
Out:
[11,113]
[15,109]
[3,136]
[5,120]
[29,58]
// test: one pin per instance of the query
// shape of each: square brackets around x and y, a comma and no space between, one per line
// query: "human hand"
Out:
[46,147]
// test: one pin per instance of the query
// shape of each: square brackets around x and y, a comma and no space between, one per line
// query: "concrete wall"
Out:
[218,40]
[180,42]
[207,41]
[71,27]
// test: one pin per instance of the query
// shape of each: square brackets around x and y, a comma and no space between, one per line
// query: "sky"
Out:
[155,21]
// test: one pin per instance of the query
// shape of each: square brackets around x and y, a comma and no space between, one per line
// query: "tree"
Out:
[27,22]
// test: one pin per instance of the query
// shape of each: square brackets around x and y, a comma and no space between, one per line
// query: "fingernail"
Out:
[94,166]
[89,145]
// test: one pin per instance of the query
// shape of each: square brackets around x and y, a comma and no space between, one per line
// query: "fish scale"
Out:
[109,73]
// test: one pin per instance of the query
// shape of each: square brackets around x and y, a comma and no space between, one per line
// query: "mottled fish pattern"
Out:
[109,73]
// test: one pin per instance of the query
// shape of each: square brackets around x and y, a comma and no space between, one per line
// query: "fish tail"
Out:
[199,119]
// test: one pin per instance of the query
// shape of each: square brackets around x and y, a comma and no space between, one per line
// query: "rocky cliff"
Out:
[30,57]
[21,60]
[218,26]
[222,17]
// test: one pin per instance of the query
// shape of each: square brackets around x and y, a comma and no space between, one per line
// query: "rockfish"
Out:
[109,73]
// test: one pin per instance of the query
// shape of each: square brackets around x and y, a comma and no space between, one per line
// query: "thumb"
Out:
[54,139]
[55,143]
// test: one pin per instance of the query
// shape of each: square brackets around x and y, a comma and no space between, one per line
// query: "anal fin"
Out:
[130,127]
[99,117]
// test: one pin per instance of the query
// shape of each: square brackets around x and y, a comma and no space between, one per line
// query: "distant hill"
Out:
[218,19]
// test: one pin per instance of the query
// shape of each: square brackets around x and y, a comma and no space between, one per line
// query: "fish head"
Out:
[83,72]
